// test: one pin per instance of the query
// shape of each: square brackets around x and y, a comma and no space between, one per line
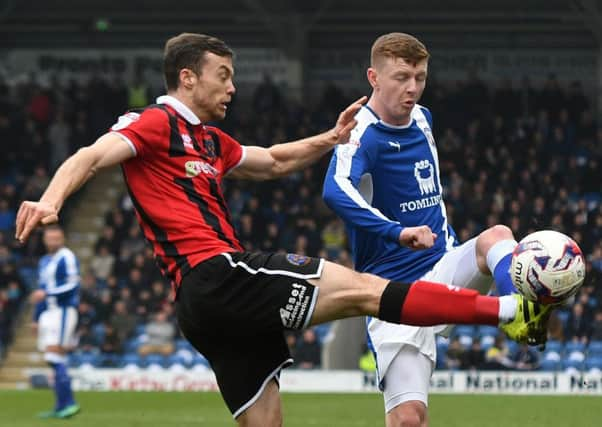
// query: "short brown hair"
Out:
[398,45]
[187,50]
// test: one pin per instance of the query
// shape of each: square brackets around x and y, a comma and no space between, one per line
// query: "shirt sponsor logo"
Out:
[195,167]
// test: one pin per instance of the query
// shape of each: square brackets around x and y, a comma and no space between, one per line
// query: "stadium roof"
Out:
[292,23]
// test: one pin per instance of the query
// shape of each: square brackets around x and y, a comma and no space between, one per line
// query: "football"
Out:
[547,267]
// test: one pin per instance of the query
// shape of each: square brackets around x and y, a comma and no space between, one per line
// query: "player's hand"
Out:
[347,122]
[31,215]
[421,237]
[37,296]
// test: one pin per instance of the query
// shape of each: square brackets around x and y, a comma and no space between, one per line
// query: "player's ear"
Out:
[187,78]
[372,77]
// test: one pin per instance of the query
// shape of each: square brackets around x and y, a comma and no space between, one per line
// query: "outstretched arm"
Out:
[283,159]
[108,150]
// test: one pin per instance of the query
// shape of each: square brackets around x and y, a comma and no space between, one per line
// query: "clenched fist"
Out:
[421,237]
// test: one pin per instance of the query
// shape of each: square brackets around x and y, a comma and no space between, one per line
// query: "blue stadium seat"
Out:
[593,363]
[199,359]
[569,347]
[463,330]
[322,331]
[487,330]
[98,331]
[88,358]
[575,364]
[176,359]
[550,365]
[594,348]
[554,345]
[155,359]
[131,345]
[110,360]
[132,359]
[182,344]
[140,329]
[74,360]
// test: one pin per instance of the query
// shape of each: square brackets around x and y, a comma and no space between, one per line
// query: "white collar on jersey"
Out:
[179,106]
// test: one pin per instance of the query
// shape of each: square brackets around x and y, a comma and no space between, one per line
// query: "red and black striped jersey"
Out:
[174,182]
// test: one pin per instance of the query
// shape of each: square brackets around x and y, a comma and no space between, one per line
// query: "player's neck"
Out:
[187,101]
[387,119]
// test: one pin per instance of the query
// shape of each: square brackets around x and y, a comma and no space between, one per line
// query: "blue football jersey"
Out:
[384,179]
[58,275]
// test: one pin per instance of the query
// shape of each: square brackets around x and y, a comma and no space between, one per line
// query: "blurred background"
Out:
[515,88]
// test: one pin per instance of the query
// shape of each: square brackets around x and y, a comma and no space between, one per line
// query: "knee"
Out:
[407,415]
[492,235]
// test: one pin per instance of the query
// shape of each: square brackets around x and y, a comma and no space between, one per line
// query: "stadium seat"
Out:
[463,330]
[570,347]
[140,329]
[576,356]
[572,365]
[550,365]
[322,332]
[553,345]
[110,360]
[552,355]
[199,359]
[90,359]
[593,363]
[155,360]
[176,359]
[182,344]
[131,345]
[132,359]
[484,330]
[594,348]
[98,331]
[74,360]
[487,341]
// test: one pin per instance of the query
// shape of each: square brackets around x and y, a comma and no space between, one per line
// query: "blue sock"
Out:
[501,275]
[62,386]
[499,259]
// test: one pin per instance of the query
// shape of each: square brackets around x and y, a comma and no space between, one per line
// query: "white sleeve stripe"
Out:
[341,177]
[126,139]
[243,156]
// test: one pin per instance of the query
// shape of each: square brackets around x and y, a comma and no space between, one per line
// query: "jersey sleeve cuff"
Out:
[129,141]
[394,233]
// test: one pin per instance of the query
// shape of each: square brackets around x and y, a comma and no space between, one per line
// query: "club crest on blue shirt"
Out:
[297,259]
[429,135]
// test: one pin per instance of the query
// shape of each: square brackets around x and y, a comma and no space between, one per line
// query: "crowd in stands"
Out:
[528,157]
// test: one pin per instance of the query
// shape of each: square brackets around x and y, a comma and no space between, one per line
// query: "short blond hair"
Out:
[398,45]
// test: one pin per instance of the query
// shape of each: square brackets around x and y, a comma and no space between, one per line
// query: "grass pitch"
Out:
[154,409]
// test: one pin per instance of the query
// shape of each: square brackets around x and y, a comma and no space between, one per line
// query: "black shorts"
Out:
[234,309]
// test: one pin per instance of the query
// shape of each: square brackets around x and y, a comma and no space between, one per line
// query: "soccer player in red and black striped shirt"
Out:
[233,305]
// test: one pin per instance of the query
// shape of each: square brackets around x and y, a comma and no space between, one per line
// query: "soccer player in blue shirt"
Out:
[385,185]
[56,316]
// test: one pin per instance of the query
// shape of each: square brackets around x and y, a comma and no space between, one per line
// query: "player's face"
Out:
[214,88]
[54,239]
[397,87]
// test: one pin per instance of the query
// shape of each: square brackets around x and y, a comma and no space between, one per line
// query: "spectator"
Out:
[497,357]
[454,354]
[578,325]
[309,353]
[123,321]
[474,358]
[160,336]
[526,358]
